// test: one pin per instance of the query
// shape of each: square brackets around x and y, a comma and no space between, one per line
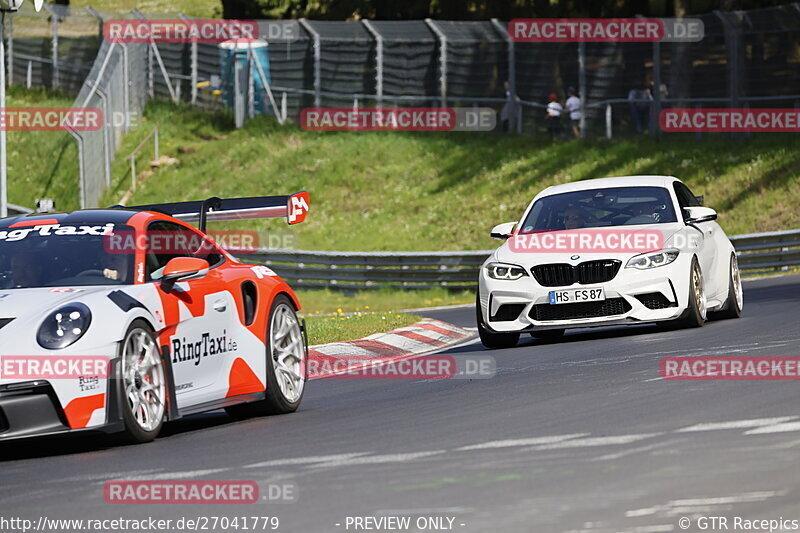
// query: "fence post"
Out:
[609,132]
[655,110]
[317,61]
[194,63]
[81,165]
[126,90]
[107,134]
[10,62]
[378,60]
[582,86]
[56,71]
[239,110]
[251,82]
[442,59]
[151,88]
[173,95]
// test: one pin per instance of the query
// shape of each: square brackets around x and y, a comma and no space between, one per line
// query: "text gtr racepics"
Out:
[612,251]
[122,319]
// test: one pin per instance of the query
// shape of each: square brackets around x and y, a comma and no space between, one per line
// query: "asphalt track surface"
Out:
[593,441]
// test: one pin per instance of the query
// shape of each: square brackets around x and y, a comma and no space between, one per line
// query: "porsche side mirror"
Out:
[695,215]
[179,268]
[503,231]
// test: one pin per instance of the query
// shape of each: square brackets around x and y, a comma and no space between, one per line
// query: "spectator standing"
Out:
[573,105]
[640,100]
[553,116]
[510,112]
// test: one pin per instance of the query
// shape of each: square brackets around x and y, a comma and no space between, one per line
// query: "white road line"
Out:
[377,459]
[533,441]
[177,475]
[775,428]
[737,424]
[620,455]
[597,441]
[747,497]
[304,460]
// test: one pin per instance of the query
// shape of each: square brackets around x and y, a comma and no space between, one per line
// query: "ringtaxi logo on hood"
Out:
[13,234]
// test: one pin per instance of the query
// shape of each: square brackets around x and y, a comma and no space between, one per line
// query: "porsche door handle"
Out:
[220,306]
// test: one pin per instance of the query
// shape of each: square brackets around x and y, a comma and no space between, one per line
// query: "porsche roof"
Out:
[82,216]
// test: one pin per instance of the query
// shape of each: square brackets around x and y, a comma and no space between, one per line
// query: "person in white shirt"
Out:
[573,105]
[553,116]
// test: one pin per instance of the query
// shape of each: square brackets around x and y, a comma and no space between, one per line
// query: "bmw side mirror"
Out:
[695,215]
[503,231]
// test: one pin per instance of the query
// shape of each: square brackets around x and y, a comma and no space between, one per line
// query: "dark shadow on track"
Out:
[59,445]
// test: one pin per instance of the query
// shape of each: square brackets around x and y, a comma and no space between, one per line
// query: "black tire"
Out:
[732,309]
[134,433]
[550,334]
[693,316]
[491,339]
[275,403]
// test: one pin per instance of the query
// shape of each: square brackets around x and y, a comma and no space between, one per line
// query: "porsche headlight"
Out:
[64,326]
[653,259]
[505,271]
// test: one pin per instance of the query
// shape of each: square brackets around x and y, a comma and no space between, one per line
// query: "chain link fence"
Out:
[746,59]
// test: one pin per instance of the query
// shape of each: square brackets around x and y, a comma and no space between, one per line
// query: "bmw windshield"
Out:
[59,256]
[601,208]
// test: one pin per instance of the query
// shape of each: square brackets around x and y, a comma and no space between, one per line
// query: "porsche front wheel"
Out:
[142,384]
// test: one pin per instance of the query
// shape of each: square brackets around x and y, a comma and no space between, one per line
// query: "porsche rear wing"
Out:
[294,207]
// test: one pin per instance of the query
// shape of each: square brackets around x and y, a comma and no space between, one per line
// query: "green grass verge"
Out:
[195,8]
[423,191]
[324,329]
[41,164]
[317,302]
[335,316]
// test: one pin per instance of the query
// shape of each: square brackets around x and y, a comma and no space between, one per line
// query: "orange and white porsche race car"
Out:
[122,319]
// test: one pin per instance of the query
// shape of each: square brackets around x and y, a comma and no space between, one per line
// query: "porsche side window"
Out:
[167,240]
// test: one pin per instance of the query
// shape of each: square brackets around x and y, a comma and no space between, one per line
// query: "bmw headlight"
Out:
[64,326]
[652,260]
[505,271]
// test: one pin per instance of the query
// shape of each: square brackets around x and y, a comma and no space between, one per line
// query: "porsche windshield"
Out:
[599,208]
[62,256]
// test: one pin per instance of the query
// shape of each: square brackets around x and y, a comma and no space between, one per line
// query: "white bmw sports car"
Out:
[612,251]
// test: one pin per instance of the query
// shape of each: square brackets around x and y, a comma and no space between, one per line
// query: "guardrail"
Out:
[758,253]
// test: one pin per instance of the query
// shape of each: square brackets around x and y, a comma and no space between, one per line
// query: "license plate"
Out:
[571,296]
